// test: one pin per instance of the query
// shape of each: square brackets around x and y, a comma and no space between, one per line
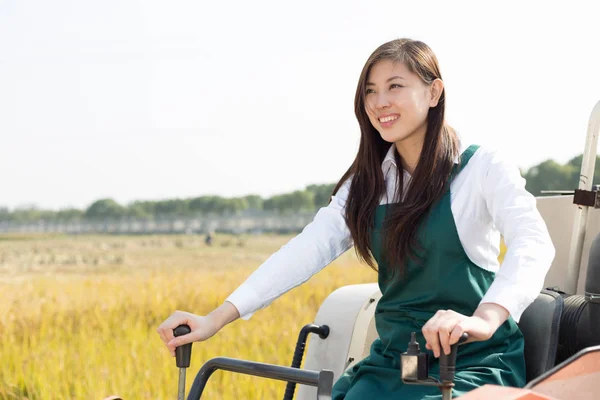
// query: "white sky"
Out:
[164,99]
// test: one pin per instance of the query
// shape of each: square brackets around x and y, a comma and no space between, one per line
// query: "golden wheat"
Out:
[79,314]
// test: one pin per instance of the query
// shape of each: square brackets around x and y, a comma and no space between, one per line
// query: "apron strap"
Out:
[464,159]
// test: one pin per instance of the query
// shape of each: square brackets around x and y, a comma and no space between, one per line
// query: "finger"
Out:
[178,318]
[434,343]
[168,332]
[457,332]
[165,330]
[161,332]
[162,335]
[165,333]
[430,332]
[181,340]
[444,332]
[427,335]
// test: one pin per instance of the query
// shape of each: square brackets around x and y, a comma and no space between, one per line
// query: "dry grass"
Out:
[79,314]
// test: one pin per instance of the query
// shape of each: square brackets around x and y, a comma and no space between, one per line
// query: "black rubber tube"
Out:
[592,279]
[323,332]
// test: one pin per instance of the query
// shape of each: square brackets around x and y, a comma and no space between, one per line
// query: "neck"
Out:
[410,149]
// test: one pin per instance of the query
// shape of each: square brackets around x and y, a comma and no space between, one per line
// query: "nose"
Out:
[381,101]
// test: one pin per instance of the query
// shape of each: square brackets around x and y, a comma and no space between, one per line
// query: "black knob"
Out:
[183,354]
[448,362]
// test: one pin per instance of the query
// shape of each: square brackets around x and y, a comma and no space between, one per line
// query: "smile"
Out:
[388,118]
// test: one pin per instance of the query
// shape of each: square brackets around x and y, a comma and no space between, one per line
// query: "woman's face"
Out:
[397,101]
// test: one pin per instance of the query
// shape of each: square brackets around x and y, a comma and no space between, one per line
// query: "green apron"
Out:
[446,279]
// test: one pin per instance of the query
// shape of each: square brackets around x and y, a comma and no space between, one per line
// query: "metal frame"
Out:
[323,380]
[586,179]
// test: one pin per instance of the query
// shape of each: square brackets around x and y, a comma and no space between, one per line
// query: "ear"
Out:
[436,89]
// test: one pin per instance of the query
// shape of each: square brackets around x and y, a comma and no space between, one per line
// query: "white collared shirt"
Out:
[488,199]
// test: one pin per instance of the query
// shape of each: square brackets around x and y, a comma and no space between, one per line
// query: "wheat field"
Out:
[79,313]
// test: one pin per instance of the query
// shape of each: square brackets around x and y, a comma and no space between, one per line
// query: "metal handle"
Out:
[448,362]
[323,379]
[183,354]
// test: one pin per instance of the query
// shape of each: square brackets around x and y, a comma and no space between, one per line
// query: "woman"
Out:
[427,215]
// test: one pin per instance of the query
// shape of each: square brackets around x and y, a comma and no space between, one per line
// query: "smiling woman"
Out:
[396,97]
[427,213]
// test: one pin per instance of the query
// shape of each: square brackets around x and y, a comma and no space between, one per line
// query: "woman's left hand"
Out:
[446,327]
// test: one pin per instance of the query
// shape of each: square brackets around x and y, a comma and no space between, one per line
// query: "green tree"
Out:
[104,208]
[172,207]
[255,202]
[234,205]
[31,213]
[575,164]
[69,214]
[204,204]
[142,208]
[5,214]
[299,200]
[322,194]
[138,211]
[549,175]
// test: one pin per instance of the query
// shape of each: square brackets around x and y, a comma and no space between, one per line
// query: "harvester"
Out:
[561,327]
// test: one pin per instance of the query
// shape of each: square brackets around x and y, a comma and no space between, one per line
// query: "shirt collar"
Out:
[390,157]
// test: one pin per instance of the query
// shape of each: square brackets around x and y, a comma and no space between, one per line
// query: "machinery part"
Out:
[585,184]
[183,354]
[323,332]
[415,367]
[579,327]
[323,380]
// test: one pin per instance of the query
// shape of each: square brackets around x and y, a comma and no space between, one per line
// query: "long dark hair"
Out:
[429,178]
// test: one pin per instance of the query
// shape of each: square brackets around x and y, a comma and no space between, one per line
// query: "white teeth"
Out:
[388,119]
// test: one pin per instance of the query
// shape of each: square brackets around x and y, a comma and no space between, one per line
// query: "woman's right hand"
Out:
[203,327]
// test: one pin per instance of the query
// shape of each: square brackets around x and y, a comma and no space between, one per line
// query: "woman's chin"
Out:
[390,137]
[397,137]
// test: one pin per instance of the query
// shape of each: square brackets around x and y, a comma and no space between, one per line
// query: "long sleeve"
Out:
[530,251]
[320,242]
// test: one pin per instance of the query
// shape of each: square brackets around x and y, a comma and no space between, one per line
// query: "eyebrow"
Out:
[390,79]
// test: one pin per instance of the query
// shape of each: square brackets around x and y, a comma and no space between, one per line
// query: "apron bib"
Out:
[444,279]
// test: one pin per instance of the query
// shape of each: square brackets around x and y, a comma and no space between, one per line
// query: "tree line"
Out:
[548,175]
[310,199]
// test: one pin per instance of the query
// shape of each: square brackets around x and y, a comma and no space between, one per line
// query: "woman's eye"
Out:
[395,85]
[369,91]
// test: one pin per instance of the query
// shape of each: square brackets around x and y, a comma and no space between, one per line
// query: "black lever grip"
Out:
[183,354]
[448,362]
